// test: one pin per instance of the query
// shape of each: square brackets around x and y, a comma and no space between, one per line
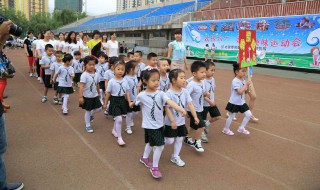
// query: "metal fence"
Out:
[153,43]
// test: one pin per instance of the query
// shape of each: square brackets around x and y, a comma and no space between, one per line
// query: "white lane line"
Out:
[123,180]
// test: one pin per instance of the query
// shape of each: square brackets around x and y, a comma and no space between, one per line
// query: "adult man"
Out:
[4,34]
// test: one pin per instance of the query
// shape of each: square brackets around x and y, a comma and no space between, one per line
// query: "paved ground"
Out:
[49,151]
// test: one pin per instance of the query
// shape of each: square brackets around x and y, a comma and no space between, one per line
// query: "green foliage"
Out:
[42,21]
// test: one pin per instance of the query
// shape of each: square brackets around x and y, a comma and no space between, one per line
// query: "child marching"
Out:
[54,69]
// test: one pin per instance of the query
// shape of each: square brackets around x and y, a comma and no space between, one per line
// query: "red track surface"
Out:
[49,151]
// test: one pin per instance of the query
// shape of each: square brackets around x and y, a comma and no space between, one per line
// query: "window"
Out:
[129,35]
[137,35]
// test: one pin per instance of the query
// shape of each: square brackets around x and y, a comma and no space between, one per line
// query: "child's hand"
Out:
[196,121]
[173,125]
[183,112]
[81,101]
[104,106]
[131,104]
[212,103]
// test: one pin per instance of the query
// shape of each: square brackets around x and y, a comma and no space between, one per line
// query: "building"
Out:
[29,7]
[129,4]
[74,5]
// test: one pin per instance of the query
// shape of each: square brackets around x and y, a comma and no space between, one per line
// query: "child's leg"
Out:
[168,140]
[253,97]
[177,146]
[129,120]
[87,115]
[45,91]
[101,96]
[118,123]
[246,119]
[65,102]
[95,111]
[147,151]
[228,122]
[198,133]
[157,151]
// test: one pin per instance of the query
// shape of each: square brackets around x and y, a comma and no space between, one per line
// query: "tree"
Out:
[17,17]
[66,16]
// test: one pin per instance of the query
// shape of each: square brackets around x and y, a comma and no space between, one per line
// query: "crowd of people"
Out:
[122,86]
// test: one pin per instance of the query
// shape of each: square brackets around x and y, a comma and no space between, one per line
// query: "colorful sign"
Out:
[290,41]
[247,48]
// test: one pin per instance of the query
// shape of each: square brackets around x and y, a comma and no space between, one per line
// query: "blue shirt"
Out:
[178,51]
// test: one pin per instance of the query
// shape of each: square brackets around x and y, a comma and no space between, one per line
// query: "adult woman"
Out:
[213,49]
[177,52]
[113,46]
[104,42]
[40,36]
[95,44]
[28,50]
[252,94]
[85,49]
[72,44]
[62,43]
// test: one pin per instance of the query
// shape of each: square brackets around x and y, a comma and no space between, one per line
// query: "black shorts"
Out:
[118,106]
[232,108]
[46,81]
[181,131]
[212,110]
[76,78]
[102,86]
[201,122]
[154,136]
[55,85]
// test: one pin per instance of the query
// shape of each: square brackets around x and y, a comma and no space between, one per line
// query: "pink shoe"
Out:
[146,162]
[121,142]
[155,172]
[114,133]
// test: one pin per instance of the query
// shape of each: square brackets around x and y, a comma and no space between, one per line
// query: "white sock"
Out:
[168,141]
[157,151]
[95,111]
[87,115]
[246,119]
[228,122]
[101,96]
[118,123]
[147,151]
[177,146]
[65,101]
[129,119]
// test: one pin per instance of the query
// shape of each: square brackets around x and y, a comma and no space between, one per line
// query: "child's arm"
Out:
[244,88]
[139,86]
[193,112]
[52,74]
[106,84]
[128,96]
[67,49]
[98,90]
[176,107]
[55,78]
[212,103]
[171,118]
[81,86]
[106,99]
[169,51]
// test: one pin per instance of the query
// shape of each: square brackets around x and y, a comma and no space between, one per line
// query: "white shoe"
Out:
[38,78]
[44,99]
[41,81]
[30,75]
[128,130]
[36,75]
[197,145]
[177,160]
[132,124]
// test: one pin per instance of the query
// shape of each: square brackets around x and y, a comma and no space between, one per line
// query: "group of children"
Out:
[123,86]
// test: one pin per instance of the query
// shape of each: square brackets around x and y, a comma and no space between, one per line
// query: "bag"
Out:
[6,68]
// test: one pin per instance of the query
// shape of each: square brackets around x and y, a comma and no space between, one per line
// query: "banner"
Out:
[290,41]
[247,48]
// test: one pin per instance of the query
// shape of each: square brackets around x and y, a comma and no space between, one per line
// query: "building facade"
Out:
[129,4]
[74,5]
[29,7]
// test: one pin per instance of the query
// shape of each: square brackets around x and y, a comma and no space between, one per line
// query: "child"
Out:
[54,69]
[101,68]
[77,65]
[108,75]
[175,128]
[152,62]
[130,56]
[45,63]
[152,102]
[141,65]
[118,91]
[164,68]
[237,102]
[197,92]
[131,77]
[89,92]
[66,75]
[209,106]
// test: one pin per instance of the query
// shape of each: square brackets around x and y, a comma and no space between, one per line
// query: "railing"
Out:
[153,43]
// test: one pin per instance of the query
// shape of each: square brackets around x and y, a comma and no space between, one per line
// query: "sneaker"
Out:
[38,78]
[55,100]
[155,172]
[44,99]
[30,74]
[206,128]
[89,129]
[106,113]
[15,186]
[60,101]
[41,81]
[121,142]
[128,130]
[146,162]
[197,146]
[91,118]
[188,141]
[177,160]
[204,138]
[132,124]
[243,131]
[254,119]
[36,75]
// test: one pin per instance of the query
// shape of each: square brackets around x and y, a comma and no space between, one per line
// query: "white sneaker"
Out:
[38,78]
[206,128]
[128,130]
[30,75]
[41,81]
[197,146]
[55,100]
[35,74]
[132,124]
[204,138]
[44,99]
[177,160]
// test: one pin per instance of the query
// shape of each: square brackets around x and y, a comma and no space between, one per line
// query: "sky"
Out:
[95,7]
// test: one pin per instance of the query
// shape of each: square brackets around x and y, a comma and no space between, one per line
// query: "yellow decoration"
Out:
[253,45]
[242,44]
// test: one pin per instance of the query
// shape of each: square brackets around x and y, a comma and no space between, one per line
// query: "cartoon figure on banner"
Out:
[195,35]
[214,27]
[316,57]
[305,23]
[313,40]
[243,25]
[262,25]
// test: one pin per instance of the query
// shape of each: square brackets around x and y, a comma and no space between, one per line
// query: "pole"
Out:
[195,5]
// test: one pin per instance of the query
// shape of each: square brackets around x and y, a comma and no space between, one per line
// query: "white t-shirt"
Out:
[62,44]
[55,44]
[133,84]
[235,97]
[64,76]
[108,75]
[118,87]
[196,91]
[210,85]
[42,44]
[182,98]
[55,66]
[152,108]
[85,50]
[141,67]
[104,46]
[101,70]
[113,48]
[73,47]
[90,84]
[77,66]
[164,83]
[47,61]
[206,50]
[35,42]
